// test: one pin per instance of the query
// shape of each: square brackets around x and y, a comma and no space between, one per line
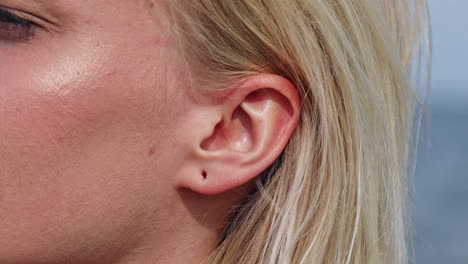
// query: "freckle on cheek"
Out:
[60,139]
[151,151]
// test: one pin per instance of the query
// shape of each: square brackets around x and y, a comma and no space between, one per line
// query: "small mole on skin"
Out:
[152,151]
[60,139]
[149,3]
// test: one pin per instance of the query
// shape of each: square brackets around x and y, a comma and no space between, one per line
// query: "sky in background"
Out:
[450,51]
[441,181]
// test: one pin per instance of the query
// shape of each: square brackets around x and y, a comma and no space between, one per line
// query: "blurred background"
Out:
[441,182]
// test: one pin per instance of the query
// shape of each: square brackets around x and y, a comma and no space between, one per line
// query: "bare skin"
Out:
[105,155]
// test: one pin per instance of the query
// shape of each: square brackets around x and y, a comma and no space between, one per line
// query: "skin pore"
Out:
[106,155]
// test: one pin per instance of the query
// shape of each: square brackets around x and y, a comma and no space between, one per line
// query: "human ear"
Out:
[240,136]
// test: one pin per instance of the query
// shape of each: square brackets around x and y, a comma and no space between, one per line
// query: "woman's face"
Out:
[90,97]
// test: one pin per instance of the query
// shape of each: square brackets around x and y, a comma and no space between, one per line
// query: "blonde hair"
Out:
[337,192]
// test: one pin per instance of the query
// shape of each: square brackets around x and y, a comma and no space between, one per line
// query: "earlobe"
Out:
[257,121]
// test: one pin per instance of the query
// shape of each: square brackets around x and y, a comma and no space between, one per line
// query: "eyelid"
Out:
[13,17]
[36,20]
[15,28]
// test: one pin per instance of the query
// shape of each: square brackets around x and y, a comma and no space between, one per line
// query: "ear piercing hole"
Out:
[204,174]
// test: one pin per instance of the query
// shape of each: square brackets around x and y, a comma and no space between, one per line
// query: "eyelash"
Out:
[14,28]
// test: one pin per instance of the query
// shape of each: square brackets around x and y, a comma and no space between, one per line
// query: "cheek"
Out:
[75,134]
[49,109]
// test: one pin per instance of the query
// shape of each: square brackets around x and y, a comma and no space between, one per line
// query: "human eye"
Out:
[15,28]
